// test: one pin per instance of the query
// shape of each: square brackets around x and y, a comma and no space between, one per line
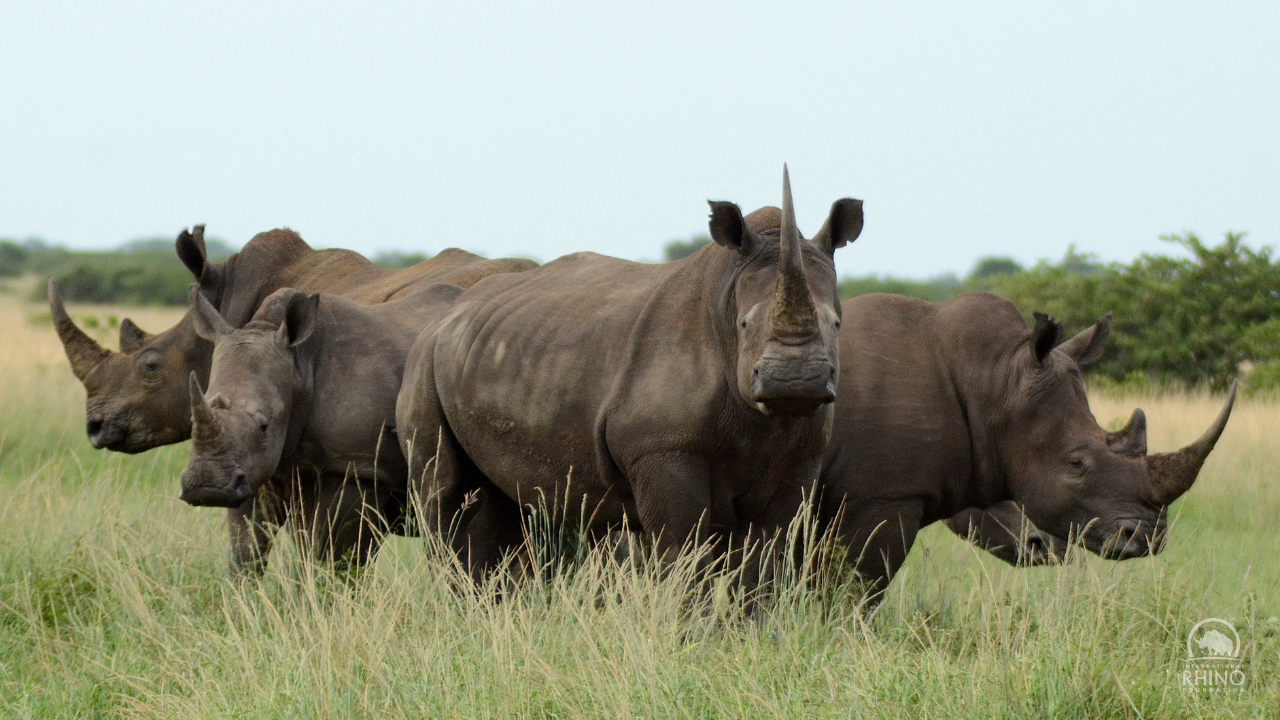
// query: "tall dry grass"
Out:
[115,602]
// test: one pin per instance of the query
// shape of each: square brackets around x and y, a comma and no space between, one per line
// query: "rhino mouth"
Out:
[789,388]
[201,491]
[1133,538]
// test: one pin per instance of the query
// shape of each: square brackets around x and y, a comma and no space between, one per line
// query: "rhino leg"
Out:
[1004,531]
[253,526]
[673,499]
[879,535]
[338,518]
[454,500]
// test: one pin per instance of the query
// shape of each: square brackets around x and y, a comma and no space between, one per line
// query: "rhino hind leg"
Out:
[449,496]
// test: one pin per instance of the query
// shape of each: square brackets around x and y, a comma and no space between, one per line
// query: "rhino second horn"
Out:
[203,424]
[83,352]
[794,315]
[1132,438]
[1172,474]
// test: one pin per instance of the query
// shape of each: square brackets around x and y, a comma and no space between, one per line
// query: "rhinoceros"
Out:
[296,422]
[949,408]
[137,398]
[689,399]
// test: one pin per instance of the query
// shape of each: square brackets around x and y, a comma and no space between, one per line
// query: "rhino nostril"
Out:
[93,427]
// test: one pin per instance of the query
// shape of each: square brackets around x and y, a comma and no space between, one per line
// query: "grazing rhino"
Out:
[137,398]
[298,417]
[947,408]
[689,399]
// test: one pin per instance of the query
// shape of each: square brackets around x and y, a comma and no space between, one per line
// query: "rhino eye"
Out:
[262,427]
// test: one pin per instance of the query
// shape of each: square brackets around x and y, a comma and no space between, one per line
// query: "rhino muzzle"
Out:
[793,385]
[1134,539]
[201,490]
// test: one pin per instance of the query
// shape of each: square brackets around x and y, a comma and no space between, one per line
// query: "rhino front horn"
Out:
[203,424]
[794,315]
[1172,474]
[83,351]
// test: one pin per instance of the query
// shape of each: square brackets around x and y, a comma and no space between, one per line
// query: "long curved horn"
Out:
[794,314]
[204,426]
[83,351]
[1172,474]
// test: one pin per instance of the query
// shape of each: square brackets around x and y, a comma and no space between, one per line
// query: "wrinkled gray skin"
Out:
[137,398]
[1005,531]
[298,420]
[688,399]
[950,408]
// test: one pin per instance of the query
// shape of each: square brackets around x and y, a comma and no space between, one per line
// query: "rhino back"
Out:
[527,365]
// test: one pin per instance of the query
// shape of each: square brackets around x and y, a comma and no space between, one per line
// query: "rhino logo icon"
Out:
[1216,643]
[1213,639]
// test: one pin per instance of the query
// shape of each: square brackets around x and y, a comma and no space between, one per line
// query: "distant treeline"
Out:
[140,272]
[1185,321]
[1178,321]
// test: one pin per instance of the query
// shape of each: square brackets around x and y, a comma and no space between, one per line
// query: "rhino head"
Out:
[1075,479]
[238,435]
[135,398]
[786,308]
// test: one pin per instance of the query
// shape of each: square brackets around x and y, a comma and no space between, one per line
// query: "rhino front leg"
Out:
[878,535]
[673,499]
[338,518]
[1004,531]
[252,527]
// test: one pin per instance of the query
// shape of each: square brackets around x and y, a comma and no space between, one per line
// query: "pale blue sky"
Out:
[540,129]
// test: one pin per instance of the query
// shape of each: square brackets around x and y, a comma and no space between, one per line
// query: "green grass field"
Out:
[115,602]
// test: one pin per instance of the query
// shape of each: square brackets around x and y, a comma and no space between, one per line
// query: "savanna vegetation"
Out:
[115,602]
[138,272]
[1204,318]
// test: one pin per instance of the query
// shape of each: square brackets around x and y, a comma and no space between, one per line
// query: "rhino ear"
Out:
[299,320]
[728,227]
[1044,337]
[842,227]
[205,318]
[1088,346]
[132,337]
[191,252]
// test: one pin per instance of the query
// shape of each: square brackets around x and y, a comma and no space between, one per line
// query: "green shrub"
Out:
[935,289]
[679,249]
[397,259]
[1187,321]
[139,272]
[12,258]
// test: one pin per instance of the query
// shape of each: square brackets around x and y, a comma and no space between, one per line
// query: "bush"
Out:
[935,289]
[680,249]
[396,259]
[139,272]
[1188,321]
[12,257]
[991,267]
